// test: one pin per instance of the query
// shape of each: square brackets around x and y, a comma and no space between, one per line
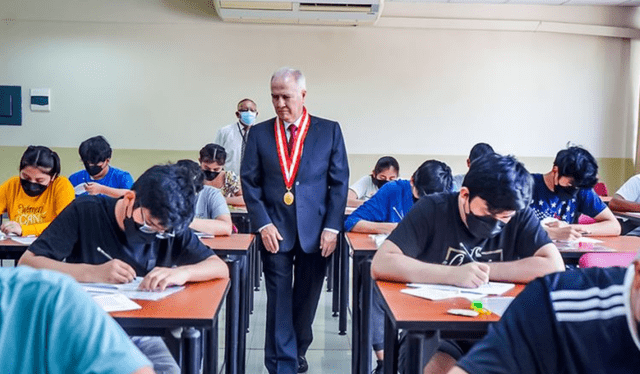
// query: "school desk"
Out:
[424,319]
[194,308]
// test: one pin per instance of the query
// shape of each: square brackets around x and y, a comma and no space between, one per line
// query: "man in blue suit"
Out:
[295,181]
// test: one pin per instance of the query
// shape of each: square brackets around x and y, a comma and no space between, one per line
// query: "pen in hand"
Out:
[105,254]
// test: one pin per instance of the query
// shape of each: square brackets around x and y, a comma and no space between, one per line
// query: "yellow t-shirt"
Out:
[35,213]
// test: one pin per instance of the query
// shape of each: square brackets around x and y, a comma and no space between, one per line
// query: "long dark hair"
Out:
[42,158]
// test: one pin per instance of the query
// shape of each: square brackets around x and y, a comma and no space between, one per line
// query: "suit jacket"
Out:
[320,187]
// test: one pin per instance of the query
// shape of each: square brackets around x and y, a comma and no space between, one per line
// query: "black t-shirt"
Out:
[433,232]
[89,222]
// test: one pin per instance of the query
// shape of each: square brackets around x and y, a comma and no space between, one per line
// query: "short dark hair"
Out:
[480,150]
[432,176]
[243,100]
[168,192]
[42,158]
[213,153]
[579,164]
[502,181]
[385,163]
[196,174]
[94,150]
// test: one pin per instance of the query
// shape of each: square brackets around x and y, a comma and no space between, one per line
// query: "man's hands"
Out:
[559,230]
[470,275]
[328,242]
[270,238]
[94,188]
[11,227]
[114,271]
[160,278]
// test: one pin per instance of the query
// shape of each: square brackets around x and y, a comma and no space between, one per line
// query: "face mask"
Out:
[565,193]
[210,175]
[93,170]
[133,233]
[32,189]
[378,182]
[483,227]
[248,117]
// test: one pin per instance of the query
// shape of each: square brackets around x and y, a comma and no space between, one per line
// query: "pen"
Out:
[398,213]
[104,253]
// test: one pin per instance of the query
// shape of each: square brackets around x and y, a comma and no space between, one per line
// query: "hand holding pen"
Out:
[114,270]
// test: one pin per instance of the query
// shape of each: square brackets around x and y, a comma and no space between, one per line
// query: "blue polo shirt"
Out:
[114,178]
[49,325]
[390,204]
[571,322]
[546,203]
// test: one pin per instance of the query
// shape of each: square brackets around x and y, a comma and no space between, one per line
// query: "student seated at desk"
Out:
[581,321]
[48,324]
[144,233]
[477,151]
[566,191]
[381,213]
[35,197]
[212,213]
[99,177]
[212,159]
[485,232]
[386,170]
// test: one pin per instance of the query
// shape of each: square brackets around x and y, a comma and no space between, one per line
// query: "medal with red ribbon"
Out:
[290,160]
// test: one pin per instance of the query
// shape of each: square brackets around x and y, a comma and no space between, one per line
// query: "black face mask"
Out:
[378,182]
[133,233]
[565,193]
[483,227]
[210,174]
[32,189]
[93,170]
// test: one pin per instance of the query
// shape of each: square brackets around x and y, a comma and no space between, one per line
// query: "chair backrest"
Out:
[603,260]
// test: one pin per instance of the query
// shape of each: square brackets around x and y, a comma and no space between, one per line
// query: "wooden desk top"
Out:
[360,242]
[197,302]
[416,313]
[617,243]
[233,244]
[11,243]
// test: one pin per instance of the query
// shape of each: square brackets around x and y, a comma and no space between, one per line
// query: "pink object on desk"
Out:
[603,260]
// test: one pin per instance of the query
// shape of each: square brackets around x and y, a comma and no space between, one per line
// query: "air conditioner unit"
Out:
[315,12]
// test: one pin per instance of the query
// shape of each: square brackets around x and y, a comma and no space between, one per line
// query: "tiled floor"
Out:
[329,352]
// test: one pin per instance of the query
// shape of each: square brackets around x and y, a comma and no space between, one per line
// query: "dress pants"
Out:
[294,282]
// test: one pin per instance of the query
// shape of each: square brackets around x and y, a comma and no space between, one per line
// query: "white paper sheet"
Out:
[491,288]
[131,290]
[114,302]
[80,189]
[27,240]
[378,238]
[497,304]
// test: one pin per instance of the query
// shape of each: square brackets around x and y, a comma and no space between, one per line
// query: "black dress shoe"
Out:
[303,366]
[379,367]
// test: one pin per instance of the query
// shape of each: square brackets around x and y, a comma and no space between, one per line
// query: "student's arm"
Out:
[544,261]
[159,278]
[221,225]
[145,370]
[620,204]
[606,225]
[235,200]
[389,263]
[369,227]
[457,370]
[94,188]
[114,271]
[352,199]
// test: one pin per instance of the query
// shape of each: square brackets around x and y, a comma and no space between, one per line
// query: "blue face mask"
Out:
[248,117]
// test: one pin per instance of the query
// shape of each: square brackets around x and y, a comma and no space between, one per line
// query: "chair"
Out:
[603,260]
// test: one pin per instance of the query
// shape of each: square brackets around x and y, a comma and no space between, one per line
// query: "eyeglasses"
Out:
[147,229]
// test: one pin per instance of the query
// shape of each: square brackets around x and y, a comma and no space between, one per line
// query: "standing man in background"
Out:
[233,137]
[295,181]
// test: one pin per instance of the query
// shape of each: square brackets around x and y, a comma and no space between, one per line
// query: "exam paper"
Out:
[27,240]
[131,290]
[378,239]
[114,302]
[80,189]
[497,305]
[491,288]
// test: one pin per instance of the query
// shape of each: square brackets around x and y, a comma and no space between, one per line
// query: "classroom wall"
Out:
[159,82]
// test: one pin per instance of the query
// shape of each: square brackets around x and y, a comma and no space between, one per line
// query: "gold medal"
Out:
[288,197]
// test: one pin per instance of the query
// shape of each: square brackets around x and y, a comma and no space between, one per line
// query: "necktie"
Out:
[292,130]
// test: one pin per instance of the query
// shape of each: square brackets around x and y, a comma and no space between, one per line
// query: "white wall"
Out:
[171,84]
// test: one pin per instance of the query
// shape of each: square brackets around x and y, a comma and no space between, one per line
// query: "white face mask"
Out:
[248,117]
